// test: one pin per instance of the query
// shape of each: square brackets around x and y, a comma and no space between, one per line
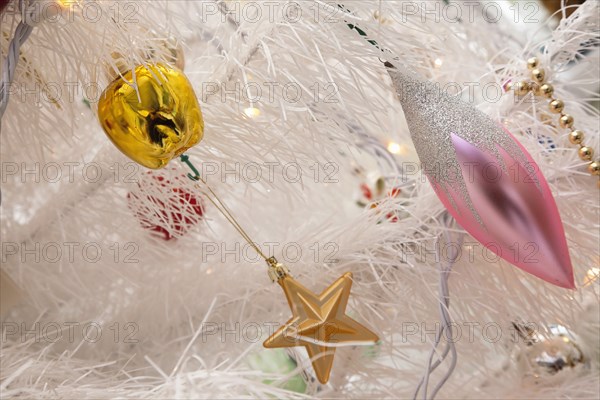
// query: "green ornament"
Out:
[278,361]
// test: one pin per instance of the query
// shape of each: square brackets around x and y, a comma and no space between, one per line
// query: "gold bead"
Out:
[556,106]
[586,153]
[546,90]
[521,88]
[155,123]
[538,75]
[594,167]
[576,137]
[532,63]
[566,121]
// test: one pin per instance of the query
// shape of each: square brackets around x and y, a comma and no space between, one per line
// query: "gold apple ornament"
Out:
[151,114]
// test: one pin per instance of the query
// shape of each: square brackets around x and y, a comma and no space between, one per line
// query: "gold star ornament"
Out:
[319,322]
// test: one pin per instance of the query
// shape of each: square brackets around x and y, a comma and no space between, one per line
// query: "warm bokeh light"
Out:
[592,276]
[252,112]
[394,148]
[66,3]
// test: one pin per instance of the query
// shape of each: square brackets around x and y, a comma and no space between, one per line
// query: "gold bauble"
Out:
[532,63]
[538,75]
[594,167]
[556,106]
[576,137]
[521,88]
[157,122]
[566,121]
[586,153]
[546,90]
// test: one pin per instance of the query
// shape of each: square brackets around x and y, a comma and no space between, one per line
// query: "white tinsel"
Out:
[170,295]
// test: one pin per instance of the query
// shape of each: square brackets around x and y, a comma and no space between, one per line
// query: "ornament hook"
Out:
[186,159]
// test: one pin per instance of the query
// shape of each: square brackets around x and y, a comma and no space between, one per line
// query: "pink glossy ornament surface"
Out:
[519,217]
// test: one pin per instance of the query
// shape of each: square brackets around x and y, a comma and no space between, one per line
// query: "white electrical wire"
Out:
[446,325]
[31,15]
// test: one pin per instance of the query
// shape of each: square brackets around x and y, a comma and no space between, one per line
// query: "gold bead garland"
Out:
[556,106]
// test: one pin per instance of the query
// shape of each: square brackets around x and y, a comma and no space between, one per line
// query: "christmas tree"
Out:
[282,130]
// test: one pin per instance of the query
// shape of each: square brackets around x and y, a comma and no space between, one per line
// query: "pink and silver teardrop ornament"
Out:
[488,182]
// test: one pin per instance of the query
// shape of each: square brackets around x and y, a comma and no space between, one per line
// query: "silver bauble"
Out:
[544,357]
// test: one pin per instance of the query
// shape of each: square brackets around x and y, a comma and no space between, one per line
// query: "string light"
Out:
[592,275]
[438,62]
[393,148]
[252,112]
[42,10]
